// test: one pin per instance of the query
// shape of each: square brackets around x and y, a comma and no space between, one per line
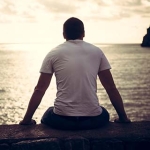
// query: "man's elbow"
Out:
[40,90]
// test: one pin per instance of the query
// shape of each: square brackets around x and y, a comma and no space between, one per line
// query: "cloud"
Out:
[54,6]
[7,7]
[128,2]
[117,9]
[18,10]
[43,10]
[98,9]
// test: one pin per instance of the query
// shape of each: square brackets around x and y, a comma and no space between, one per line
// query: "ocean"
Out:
[19,72]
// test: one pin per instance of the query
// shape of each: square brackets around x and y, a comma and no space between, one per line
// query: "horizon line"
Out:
[56,42]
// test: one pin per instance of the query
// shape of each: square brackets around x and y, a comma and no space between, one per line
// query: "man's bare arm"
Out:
[114,95]
[39,91]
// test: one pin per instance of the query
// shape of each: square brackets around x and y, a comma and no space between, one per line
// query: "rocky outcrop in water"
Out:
[146,39]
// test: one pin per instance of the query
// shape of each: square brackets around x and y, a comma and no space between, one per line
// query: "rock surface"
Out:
[114,136]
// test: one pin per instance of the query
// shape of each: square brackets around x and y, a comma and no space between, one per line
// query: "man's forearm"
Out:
[117,102]
[33,104]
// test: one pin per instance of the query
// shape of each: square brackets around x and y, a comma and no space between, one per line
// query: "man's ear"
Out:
[84,34]
[64,35]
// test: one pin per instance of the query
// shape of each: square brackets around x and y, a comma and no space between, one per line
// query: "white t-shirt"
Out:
[76,64]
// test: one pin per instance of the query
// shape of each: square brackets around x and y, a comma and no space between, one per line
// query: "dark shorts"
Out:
[74,122]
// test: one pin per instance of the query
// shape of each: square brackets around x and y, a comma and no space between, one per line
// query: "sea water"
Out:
[19,72]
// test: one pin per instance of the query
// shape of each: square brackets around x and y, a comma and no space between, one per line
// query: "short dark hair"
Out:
[73,28]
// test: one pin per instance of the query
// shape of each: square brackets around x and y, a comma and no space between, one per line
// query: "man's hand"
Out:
[126,120]
[30,122]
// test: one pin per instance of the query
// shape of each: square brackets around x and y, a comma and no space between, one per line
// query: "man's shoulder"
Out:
[92,46]
[57,48]
[61,46]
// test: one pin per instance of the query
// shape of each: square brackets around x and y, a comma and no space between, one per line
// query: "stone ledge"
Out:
[40,137]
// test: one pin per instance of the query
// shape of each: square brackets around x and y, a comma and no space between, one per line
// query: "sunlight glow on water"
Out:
[19,73]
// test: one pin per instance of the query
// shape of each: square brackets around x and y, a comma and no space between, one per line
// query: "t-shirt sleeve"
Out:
[104,64]
[47,64]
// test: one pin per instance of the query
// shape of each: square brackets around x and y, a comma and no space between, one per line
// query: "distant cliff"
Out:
[146,39]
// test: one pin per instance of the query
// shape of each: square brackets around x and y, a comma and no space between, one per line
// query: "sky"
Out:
[41,21]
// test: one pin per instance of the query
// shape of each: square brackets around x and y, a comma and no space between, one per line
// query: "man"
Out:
[76,65]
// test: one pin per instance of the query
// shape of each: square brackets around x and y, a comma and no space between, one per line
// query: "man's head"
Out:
[73,28]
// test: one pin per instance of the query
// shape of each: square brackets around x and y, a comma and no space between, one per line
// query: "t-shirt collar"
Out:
[75,41]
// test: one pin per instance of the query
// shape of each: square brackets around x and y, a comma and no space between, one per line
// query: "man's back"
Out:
[76,65]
